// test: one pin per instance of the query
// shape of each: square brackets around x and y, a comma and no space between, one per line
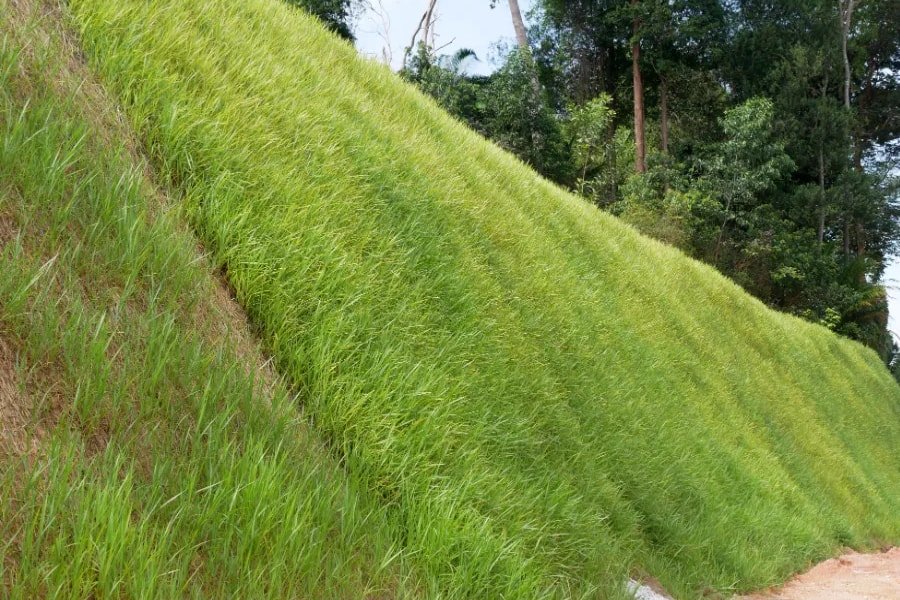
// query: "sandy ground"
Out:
[851,577]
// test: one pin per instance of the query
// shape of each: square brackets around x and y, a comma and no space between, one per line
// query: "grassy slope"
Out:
[541,398]
[162,459]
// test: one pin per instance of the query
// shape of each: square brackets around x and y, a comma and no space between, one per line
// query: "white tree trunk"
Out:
[519,25]
[846,9]
[424,23]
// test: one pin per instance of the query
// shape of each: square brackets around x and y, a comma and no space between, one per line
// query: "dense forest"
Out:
[760,137]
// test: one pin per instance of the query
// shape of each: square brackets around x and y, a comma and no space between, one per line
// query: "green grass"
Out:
[528,398]
[167,465]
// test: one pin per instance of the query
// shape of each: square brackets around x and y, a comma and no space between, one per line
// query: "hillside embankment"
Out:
[453,380]
[148,448]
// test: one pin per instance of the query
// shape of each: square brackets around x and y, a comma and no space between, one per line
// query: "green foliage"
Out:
[508,107]
[443,79]
[335,14]
[787,238]
[163,462]
[601,184]
[750,160]
[682,219]
[543,400]
[589,127]
[517,117]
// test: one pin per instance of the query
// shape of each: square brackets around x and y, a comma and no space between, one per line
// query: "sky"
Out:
[473,24]
[892,281]
[460,24]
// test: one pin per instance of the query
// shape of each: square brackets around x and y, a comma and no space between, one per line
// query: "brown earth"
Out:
[852,576]
[15,407]
[14,410]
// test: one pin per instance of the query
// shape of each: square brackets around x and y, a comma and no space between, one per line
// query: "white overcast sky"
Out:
[461,24]
[892,281]
[473,24]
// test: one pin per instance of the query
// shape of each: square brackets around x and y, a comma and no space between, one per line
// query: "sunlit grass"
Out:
[540,400]
[166,464]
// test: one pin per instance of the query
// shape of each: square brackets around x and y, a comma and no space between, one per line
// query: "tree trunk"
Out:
[846,235]
[861,245]
[721,235]
[664,118]
[846,8]
[428,36]
[865,101]
[613,188]
[664,112]
[522,41]
[423,22]
[519,25]
[640,151]
[822,206]
[821,231]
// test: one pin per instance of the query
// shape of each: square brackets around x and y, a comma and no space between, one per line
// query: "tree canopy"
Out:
[771,135]
[335,14]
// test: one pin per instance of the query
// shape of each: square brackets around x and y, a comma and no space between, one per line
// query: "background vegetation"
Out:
[768,134]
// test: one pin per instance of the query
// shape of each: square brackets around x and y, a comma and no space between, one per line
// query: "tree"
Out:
[594,149]
[762,134]
[443,79]
[518,25]
[846,8]
[335,14]
[640,147]
[591,35]
[679,36]
[877,62]
[749,161]
[505,106]
[426,28]
[517,117]
[522,42]
[578,48]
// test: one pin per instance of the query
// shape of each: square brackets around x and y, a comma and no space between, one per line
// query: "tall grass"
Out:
[165,464]
[542,400]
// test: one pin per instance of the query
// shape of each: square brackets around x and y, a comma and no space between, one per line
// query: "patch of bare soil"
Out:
[15,407]
[852,576]
[7,228]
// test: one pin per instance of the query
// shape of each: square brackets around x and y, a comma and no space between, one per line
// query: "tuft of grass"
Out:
[166,461]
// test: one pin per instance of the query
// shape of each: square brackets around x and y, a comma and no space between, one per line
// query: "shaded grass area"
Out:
[543,399]
[165,459]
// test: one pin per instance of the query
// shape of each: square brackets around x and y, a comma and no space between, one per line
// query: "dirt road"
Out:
[850,577]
